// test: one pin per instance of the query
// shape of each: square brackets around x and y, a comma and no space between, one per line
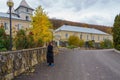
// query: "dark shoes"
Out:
[51,65]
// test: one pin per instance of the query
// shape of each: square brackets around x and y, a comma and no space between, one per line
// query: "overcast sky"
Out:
[100,12]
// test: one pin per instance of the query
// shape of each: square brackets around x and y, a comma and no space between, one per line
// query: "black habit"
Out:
[50,56]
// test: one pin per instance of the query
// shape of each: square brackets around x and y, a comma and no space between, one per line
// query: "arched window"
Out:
[81,36]
[27,10]
[66,35]
[19,27]
[98,37]
[27,18]
[92,37]
[87,37]
[6,26]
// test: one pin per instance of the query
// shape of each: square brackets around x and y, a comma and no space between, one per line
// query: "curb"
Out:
[116,51]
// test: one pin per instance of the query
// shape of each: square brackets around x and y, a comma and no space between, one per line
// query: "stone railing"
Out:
[14,63]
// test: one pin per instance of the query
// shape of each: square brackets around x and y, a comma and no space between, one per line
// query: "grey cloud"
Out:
[47,3]
[63,4]
[96,19]
[88,11]
[107,10]
[88,3]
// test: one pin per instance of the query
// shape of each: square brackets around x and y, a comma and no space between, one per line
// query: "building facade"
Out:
[21,18]
[86,34]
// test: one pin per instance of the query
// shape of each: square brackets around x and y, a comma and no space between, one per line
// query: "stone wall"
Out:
[14,63]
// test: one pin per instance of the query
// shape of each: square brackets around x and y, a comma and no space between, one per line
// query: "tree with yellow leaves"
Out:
[41,26]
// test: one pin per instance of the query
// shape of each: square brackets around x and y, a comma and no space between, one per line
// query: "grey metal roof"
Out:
[79,29]
[6,15]
[24,3]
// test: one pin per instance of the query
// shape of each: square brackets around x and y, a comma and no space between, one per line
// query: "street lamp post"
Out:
[10,5]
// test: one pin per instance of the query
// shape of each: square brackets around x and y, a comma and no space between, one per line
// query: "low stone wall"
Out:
[14,63]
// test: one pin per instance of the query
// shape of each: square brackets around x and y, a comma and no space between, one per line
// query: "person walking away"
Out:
[50,55]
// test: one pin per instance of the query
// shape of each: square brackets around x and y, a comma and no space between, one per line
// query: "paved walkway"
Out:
[79,65]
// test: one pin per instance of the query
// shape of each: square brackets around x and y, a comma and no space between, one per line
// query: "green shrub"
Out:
[81,43]
[74,40]
[3,49]
[117,47]
[21,41]
[7,42]
[4,40]
[30,41]
[91,43]
[24,41]
[106,44]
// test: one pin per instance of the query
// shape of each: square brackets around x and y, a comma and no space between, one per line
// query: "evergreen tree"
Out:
[2,33]
[21,41]
[116,32]
[4,39]
[24,40]
[7,42]
[106,44]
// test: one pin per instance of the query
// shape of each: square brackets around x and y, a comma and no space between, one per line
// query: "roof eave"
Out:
[16,19]
[24,7]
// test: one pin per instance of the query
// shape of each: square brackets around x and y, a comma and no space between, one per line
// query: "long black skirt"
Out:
[50,58]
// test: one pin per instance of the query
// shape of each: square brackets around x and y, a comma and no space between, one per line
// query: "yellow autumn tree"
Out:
[41,26]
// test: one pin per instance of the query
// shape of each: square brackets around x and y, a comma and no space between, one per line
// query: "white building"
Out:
[86,34]
[21,17]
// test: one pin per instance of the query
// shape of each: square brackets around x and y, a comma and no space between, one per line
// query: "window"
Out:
[81,36]
[66,35]
[87,37]
[92,37]
[98,37]
[27,10]
[19,27]
[6,26]
[27,18]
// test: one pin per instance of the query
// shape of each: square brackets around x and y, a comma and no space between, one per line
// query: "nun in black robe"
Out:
[50,55]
